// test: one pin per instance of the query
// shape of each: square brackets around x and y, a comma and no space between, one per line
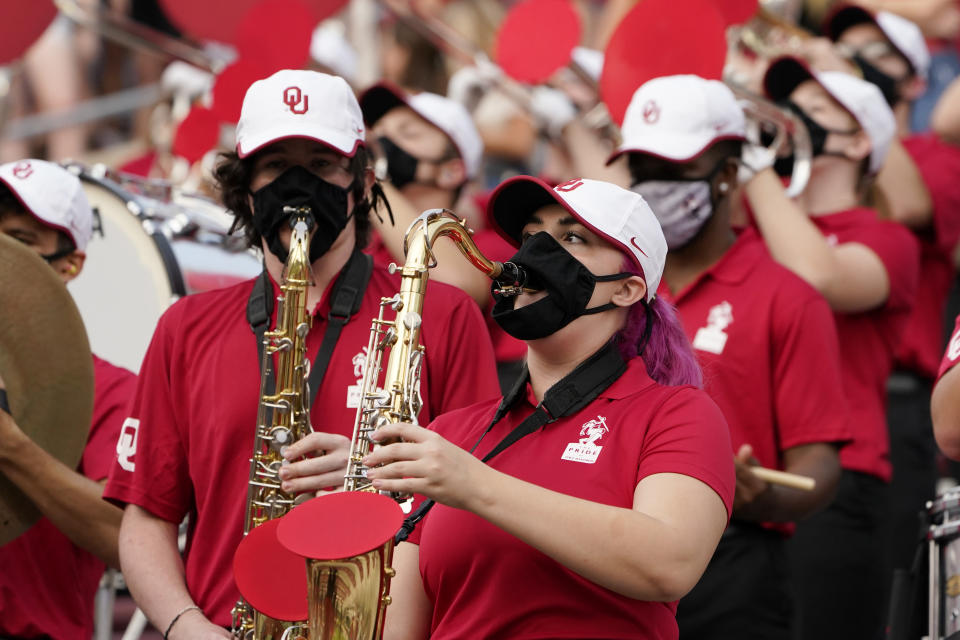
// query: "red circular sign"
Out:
[537,38]
[662,38]
[196,134]
[21,24]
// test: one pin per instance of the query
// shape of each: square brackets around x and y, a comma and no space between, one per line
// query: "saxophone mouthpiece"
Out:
[512,279]
[296,214]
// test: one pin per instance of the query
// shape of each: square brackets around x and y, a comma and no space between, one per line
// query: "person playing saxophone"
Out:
[300,143]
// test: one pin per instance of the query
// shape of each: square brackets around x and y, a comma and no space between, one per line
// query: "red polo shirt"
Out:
[939,164]
[47,583]
[485,583]
[767,344]
[952,355]
[194,415]
[868,339]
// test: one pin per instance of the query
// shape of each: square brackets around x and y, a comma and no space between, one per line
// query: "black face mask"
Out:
[818,139]
[401,166]
[886,83]
[298,187]
[568,283]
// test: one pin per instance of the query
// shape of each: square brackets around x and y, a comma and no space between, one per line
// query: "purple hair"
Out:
[667,352]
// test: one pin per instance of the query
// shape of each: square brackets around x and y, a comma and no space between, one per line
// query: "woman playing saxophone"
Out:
[598,488]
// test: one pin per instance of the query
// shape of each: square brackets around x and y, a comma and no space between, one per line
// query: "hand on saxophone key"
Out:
[424,462]
[317,461]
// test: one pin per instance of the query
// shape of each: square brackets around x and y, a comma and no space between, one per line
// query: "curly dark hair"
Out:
[233,175]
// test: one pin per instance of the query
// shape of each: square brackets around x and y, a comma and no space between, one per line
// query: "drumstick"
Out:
[784,479]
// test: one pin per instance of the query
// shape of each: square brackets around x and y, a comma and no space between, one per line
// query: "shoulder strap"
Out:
[259,311]
[347,296]
[569,395]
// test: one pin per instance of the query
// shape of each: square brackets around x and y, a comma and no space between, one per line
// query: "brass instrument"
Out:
[787,132]
[347,597]
[283,416]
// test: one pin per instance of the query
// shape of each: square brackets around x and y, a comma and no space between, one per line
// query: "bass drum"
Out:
[144,254]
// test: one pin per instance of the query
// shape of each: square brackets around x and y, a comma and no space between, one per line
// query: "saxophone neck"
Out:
[431,224]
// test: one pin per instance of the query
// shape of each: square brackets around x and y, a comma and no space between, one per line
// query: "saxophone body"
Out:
[283,416]
[347,598]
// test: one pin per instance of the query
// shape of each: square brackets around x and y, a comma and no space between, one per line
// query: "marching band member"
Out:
[432,150]
[50,573]
[300,141]
[945,401]
[599,486]
[765,339]
[867,270]
[892,52]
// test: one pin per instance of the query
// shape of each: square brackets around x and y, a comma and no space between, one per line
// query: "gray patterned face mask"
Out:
[682,207]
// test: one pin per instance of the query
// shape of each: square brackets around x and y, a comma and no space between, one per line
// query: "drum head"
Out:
[125,285]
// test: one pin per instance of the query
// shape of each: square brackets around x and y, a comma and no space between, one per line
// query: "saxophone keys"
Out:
[390,572]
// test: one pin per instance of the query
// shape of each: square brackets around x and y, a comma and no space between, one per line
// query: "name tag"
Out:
[577,452]
[353,396]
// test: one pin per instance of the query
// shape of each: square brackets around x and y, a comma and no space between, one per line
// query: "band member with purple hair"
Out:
[589,499]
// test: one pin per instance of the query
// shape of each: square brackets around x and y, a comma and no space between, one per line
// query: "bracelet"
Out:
[177,617]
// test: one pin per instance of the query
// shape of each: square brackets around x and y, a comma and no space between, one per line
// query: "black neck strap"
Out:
[345,300]
[569,395]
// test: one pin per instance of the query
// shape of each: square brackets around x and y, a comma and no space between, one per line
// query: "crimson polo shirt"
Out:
[195,411]
[767,344]
[485,583]
[868,338]
[952,355]
[47,583]
[939,165]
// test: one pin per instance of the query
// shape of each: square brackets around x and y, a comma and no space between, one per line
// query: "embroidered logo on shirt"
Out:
[353,391]
[587,450]
[127,444]
[712,337]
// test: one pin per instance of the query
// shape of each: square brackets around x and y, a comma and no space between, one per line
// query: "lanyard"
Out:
[566,397]
[346,298]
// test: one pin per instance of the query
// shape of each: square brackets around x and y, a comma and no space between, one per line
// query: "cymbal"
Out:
[46,366]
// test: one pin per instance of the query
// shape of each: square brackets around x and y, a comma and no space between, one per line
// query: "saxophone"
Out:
[283,416]
[347,598]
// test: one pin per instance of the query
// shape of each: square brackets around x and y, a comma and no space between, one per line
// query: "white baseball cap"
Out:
[300,104]
[448,115]
[52,195]
[618,215]
[903,34]
[860,98]
[678,117]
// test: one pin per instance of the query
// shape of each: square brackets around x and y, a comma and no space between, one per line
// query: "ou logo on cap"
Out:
[569,185]
[651,112]
[292,97]
[22,170]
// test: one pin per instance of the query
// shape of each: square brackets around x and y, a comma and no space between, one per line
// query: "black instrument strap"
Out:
[345,300]
[4,402]
[569,395]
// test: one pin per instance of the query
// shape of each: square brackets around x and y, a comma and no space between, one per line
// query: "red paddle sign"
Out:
[21,24]
[662,38]
[220,19]
[276,33]
[736,11]
[231,86]
[196,134]
[537,38]
[271,578]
